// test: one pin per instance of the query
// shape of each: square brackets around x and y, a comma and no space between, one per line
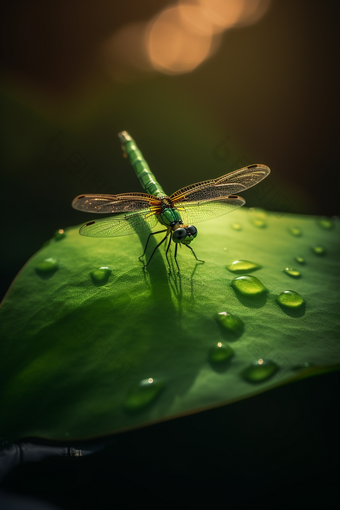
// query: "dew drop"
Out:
[325,223]
[248,285]
[260,370]
[318,249]
[59,234]
[295,231]
[47,266]
[221,352]
[143,394]
[242,266]
[258,217]
[256,212]
[302,366]
[236,226]
[230,323]
[294,273]
[290,299]
[101,276]
[300,260]
[257,222]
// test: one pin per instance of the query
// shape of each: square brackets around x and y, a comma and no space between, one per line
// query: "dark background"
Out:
[271,89]
[269,95]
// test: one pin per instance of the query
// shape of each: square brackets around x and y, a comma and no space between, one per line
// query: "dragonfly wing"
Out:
[122,225]
[194,212]
[122,203]
[228,184]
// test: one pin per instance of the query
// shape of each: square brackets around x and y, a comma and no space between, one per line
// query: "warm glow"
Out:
[60,231]
[179,38]
[150,380]
[195,19]
[260,361]
[253,11]
[173,47]
[219,344]
[223,13]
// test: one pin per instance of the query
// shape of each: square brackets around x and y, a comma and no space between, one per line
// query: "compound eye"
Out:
[178,235]
[192,230]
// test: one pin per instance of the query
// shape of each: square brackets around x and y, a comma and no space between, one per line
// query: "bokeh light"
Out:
[173,46]
[179,38]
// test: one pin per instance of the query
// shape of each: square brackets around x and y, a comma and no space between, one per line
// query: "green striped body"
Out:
[148,181]
[146,177]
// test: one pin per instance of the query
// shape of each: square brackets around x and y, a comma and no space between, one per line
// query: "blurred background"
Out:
[204,87]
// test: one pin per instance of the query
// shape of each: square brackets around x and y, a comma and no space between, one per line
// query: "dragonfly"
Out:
[134,212]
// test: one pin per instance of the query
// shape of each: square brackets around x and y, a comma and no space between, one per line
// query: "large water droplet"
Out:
[230,323]
[47,266]
[260,370]
[143,394]
[248,285]
[295,231]
[221,352]
[318,249]
[325,223]
[236,226]
[59,234]
[242,266]
[290,299]
[294,273]
[300,260]
[101,276]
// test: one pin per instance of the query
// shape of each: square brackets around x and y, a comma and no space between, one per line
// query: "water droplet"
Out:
[230,323]
[236,226]
[295,231]
[290,299]
[258,217]
[294,273]
[300,260]
[303,365]
[260,370]
[258,213]
[101,276]
[221,352]
[242,266]
[318,249]
[325,223]
[59,234]
[143,394]
[47,266]
[248,285]
[259,223]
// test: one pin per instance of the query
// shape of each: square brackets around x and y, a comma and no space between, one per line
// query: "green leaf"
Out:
[81,339]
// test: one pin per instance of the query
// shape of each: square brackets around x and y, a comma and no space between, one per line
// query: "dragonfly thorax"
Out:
[183,233]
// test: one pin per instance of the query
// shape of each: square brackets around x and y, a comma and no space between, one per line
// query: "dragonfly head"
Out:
[184,234]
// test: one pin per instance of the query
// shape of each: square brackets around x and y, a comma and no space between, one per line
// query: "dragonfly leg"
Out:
[199,260]
[166,253]
[152,254]
[176,258]
[147,242]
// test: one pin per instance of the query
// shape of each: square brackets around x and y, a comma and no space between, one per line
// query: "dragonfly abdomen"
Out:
[146,177]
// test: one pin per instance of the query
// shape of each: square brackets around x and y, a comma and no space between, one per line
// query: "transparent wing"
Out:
[228,184]
[119,226]
[124,202]
[194,212]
